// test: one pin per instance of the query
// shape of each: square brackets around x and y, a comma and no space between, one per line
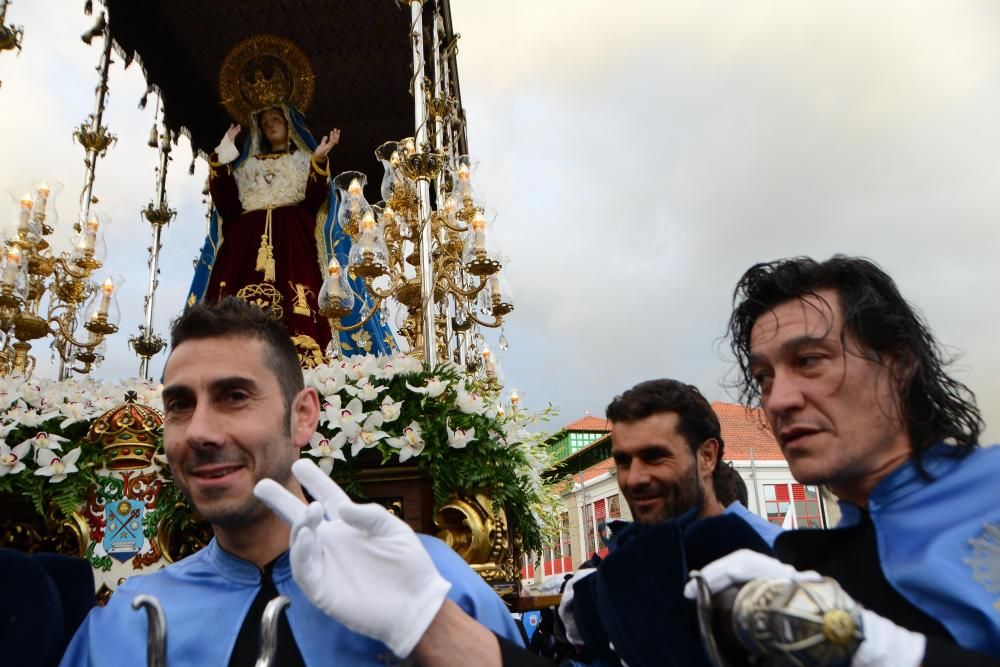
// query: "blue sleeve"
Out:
[470,592]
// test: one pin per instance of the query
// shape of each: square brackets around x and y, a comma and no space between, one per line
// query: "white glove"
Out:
[358,563]
[226,150]
[887,644]
[566,607]
[742,566]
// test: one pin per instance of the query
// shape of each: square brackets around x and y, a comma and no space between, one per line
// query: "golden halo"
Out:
[263,71]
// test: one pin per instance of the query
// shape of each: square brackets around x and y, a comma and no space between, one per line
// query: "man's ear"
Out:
[708,454]
[305,416]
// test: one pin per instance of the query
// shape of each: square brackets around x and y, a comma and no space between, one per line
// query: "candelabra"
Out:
[10,35]
[77,313]
[389,247]
[428,245]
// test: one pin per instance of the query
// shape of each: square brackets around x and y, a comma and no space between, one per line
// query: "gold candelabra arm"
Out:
[496,324]
[338,326]
[470,293]
[441,218]
[64,330]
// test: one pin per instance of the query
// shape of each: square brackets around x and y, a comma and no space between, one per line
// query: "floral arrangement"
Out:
[392,408]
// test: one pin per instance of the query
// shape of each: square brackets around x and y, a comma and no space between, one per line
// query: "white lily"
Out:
[364,390]
[369,434]
[326,450]
[12,460]
[435,387]
[470,403]
[390,409]
[459,438]
[54,467]
[29,417]
[74,412]
[44,441]
[348,419]
[331,411]
[411,443]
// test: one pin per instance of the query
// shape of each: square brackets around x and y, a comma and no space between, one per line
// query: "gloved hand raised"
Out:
[885,642]
[358,563]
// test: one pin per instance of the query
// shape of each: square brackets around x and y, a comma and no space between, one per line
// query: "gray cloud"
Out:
[640,159]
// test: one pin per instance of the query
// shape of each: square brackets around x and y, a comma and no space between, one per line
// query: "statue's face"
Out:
[274,127]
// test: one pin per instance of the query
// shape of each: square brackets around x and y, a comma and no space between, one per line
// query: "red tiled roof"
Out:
[743,428]
[589,423]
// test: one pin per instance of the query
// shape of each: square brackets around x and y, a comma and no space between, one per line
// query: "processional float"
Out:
[82,460]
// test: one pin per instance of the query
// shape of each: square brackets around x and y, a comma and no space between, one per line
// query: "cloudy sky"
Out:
[640,161]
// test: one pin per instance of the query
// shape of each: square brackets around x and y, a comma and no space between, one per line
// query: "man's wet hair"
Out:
[934,406]
[696,420]
[234,317]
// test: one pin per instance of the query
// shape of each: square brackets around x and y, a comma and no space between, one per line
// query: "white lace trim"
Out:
[272,182]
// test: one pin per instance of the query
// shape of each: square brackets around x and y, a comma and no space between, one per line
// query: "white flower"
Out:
[364,390]
[404,365]
[74,412]
[326,450]
[12,460]
[434,388]
[358,367]
[347,420]
[327,380]
[55,468]
[45,441]
[411,443]
[470,403]
[29,417]
[331,411]
[369,434]
[460,438]
[390,409]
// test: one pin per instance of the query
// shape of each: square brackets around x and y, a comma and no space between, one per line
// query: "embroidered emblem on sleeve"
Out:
[985,560]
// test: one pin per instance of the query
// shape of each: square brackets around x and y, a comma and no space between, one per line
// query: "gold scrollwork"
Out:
[263,71]
[481,537]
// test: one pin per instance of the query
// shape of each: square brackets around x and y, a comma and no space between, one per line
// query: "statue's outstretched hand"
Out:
[226,151]
[326,144]
[358,563]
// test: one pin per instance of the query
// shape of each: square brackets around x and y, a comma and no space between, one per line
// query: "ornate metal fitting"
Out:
[158,215]
[369,268]
[39,265]
[483,266]
[146,346]
[10,37]
[28,326]
[440,107]
[8,299]
[334,312]
[500,307]
[422,165]
[87,262]
[99,325]
[99,140]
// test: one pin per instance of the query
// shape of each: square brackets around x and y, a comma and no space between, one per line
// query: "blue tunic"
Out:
[206,596]
[939,540]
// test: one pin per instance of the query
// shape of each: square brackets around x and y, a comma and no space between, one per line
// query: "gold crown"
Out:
[128,434]
[265,91]
[264,71]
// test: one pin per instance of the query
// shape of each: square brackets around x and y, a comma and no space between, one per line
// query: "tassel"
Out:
[269,268]
[261,253]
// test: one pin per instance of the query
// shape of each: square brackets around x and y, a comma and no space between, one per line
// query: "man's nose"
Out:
[784,394]
[204,428]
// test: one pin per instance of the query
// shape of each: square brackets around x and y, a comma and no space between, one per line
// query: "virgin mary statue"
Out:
[273,229]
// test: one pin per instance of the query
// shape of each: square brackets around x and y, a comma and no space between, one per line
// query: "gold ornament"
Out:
[264,71]
[128,434]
